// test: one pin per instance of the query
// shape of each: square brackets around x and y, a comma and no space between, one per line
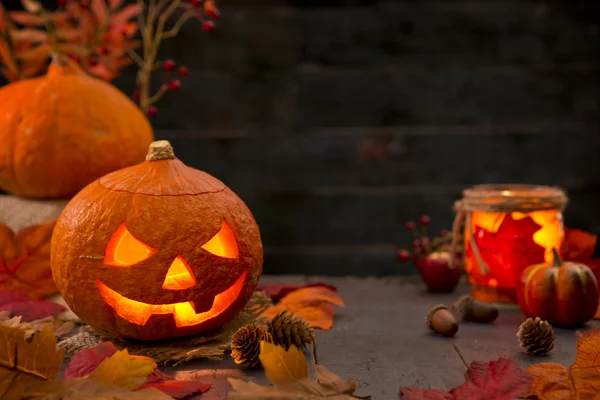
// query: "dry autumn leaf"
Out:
[553,381]
[281,365]
[25,260]
[277,291]
[86,361]
[315,304]
[18,304]
[24,363]
[493,380]
[115,378]
[289,372]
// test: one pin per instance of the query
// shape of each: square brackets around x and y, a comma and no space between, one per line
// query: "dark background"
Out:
[337,121]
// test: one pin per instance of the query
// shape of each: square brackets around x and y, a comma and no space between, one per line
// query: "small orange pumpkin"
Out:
[157,250]
[61,131]
[564,294]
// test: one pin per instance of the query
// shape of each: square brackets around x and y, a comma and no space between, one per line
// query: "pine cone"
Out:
[245,344]
[288,329]
[536,336]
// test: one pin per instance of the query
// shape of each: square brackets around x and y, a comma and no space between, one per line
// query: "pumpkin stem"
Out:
[557,261]
[160,150]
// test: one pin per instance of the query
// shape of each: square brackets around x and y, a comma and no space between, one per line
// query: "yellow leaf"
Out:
[124,371]
[315,304]
[23,363]
[327,386]
[281,365]
[31,6]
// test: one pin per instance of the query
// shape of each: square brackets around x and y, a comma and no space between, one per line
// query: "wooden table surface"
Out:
[379,339]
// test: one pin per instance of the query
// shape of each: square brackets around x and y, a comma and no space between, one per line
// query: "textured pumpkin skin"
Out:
[172,208]
[565,295]
[62,131]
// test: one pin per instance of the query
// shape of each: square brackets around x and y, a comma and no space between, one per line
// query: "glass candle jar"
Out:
[506,229]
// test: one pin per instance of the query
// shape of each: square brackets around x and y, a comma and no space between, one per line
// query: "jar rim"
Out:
[517,197]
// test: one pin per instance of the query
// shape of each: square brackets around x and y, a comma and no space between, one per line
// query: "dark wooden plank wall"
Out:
[337,121]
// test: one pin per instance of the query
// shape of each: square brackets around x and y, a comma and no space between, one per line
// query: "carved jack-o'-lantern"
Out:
[157,250]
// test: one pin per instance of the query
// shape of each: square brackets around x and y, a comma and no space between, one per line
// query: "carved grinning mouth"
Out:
[184,314]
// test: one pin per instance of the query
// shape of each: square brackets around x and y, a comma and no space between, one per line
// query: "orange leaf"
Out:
[114,4]
[3,19]
[68,34]
[314,304]
[35,54]
[552,381]
[100,11]
[24,18]
[126,14]
[70,48]
[25,260]
[23,363]
[28,35]
[7,60]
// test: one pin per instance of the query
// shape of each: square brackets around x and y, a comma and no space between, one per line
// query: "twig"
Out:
[135,57]
[177,27]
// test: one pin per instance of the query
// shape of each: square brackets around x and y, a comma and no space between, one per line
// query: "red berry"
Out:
[183,71]
[212,12]
[175,85]
[75,58]
[208,26]
[152,111]
[424,220]
[92,62]
[104,51]
[403,255]
[195,3]
[137,95]
[169,65]
[410,226]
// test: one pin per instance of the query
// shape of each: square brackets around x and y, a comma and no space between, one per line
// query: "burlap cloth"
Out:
[18,213]
[211,346]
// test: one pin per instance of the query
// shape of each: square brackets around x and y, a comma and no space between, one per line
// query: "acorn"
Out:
[441,320]
[469,309]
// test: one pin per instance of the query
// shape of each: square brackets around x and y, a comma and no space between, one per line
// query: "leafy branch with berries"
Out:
[102,37]
[432,256]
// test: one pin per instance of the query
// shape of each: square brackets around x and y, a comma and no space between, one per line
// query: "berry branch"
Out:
[152,22]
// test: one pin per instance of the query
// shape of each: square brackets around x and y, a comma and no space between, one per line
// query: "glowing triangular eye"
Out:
[223,244]
[124,250]
[179,276]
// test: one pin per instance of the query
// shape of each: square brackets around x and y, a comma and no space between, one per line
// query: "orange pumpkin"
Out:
[564,294]
[62,131]
[157,250]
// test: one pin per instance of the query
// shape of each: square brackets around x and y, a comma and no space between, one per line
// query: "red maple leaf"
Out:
[87,360]
[493,380]
[579,246]
[17,303]
[509,250]
[277,291]
[25,260]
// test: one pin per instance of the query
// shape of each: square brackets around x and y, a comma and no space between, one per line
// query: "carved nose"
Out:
[179,276]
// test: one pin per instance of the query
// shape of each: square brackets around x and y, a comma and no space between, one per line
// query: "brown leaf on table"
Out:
[316,305]
[277,291]
[117,377]
[493,380]
[87,361]
[23,363]
[582,381]
[288,371]
[25,260]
